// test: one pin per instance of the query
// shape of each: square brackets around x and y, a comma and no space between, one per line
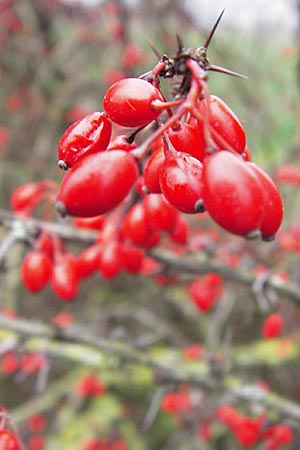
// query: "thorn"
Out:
[151,45]
[215,68]
[179,43]
[212,31]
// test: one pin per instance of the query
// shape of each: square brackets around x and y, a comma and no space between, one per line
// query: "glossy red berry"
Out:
[88,135]
[24,195]
[132,258]
[110,261]
[159,214]
[188,138]
[36,270]
[8,440]
[273,205]
[136,229]
[181,182]
[233,196]
[128,102]
[65,278]
[97,184]
[152,170]
[88,260]
[228,131]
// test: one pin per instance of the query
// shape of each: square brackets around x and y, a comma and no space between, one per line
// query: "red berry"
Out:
[65,278]
[8,440]
[37,442]
[181,182]
[230,134]
[289,173]
[110,261]
[273,206]
[175,402]
[272,326]
[36,423]
[194,352]
[136,229]
[228,415]
[26,195]
[32,362]
[97,184]
[232,193]
[248,430]
[9,363]
[132,258]
[36,270]
[89,385]
[159,214]
[188,138]
[128,102]
[88,260]
[277,435]
[151,171]
[88,135]
[206,291]
[180,233]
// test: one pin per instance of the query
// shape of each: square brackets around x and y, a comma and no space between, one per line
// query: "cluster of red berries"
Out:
[249,431]
[194,157]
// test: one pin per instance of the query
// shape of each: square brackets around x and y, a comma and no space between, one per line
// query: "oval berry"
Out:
[136,229]
[181,181]
[128,102]
[26,195]
[233,196]
[8,440]
[272,326]
[97,184]
[151,171]
[159,214]
[65,277]
[110,261]
[36,270]
[188,138]
[228,131]
[89,135]
[273,205]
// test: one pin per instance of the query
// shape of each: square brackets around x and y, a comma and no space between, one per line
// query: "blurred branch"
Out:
[77,345]
[192,266]
[189,265]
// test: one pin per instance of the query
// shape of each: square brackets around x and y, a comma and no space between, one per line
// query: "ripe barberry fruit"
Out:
[91,134]
[128,102]
[97,184]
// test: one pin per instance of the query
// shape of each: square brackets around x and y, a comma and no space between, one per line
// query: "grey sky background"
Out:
[246,15]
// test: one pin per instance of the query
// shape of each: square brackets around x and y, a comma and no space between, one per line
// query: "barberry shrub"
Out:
[157,297]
